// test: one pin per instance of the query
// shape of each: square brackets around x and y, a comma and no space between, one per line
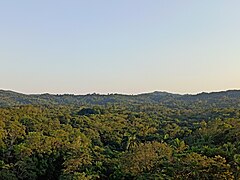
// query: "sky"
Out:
[127,46]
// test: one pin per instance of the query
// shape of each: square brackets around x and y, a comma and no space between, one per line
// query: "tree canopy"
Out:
[166,140]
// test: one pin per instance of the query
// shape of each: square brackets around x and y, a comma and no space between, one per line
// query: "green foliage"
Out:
[151,136]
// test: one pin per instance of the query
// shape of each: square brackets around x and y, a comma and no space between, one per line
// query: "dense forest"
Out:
[147,136]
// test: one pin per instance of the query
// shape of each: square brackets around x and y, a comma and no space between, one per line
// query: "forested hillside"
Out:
[220,99]
[148,136]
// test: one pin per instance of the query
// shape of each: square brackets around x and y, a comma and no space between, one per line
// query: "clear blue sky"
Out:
[126,46]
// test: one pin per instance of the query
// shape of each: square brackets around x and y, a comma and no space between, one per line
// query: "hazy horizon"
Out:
[129,47]
[122,93]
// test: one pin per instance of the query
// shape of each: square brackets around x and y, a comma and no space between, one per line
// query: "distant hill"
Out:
[218,99]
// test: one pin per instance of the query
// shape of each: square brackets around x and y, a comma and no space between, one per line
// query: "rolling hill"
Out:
[222,99]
